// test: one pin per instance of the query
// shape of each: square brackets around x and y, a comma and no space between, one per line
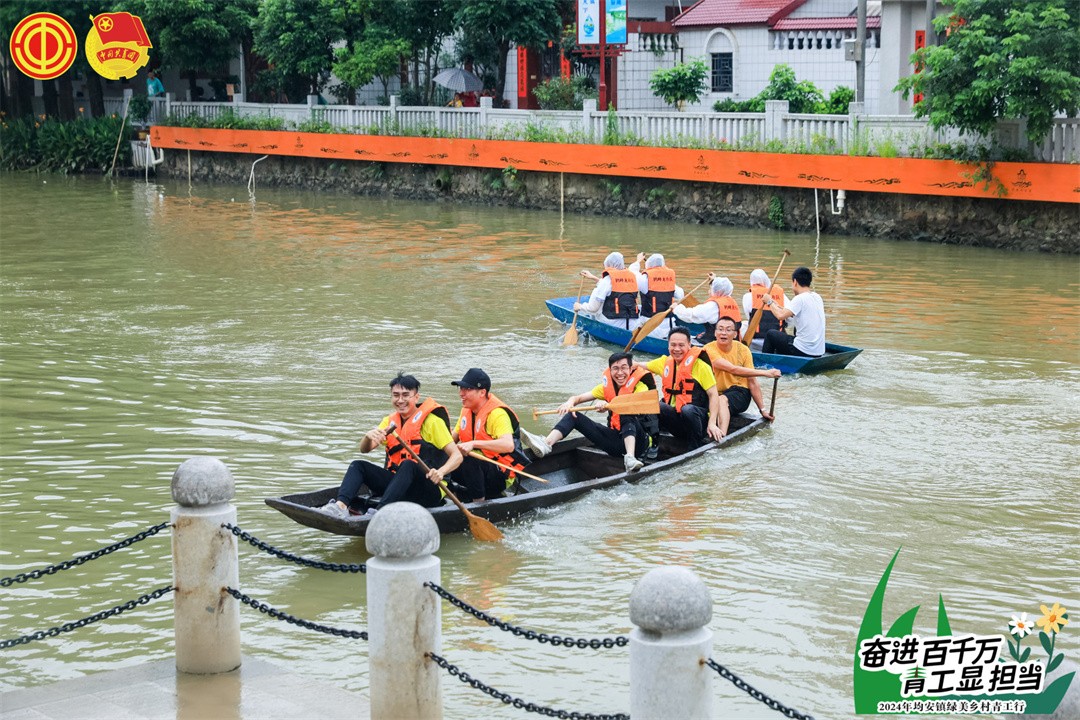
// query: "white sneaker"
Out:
[632,464]
[334,510]
[537,444]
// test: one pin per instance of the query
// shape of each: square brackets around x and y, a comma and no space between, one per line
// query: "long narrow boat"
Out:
[836,357]
[572,469]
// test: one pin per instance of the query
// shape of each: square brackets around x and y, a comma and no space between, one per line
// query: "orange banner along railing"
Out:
[1021,181]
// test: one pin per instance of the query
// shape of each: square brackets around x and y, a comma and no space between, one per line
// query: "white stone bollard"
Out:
[670,608]
[206,618]
[404,621]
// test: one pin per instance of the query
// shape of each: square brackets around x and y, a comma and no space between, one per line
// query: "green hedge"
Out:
[42,143]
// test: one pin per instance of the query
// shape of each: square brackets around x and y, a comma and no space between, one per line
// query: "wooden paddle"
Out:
[639,403]
[481,456]
[654,322]
[480,528]
[570,338]
[751,329]
[772,402]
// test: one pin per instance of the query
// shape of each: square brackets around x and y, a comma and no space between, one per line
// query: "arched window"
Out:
[722,57]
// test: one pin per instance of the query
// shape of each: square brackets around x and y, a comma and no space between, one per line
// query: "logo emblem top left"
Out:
[43,46]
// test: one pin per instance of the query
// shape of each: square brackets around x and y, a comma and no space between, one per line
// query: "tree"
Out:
[1000,59]
[196,36]
[528,23]
[376,56]
[296,38]
[681,84]
[423,25]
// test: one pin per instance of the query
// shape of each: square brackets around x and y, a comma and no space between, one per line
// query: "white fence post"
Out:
[775,110]
[485,116]
[855,110]
[404,621]
[670,607]
[395,101]
[206,620]
[588,107]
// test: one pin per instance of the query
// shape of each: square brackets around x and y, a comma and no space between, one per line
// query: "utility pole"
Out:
[860,51]
[603,60]
[931,34]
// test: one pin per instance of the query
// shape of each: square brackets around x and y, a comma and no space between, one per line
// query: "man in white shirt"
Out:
[806,312]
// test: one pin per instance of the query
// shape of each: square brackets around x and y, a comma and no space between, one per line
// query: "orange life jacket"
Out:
[768,320]
[472,427]
[727,308]
[621,302]
[679,385]
[611,389]
[409,430]
[661,290]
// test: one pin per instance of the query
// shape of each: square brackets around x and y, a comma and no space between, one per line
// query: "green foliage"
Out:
[40,143]
[614,189]
[681,84]
[139,108]
[295,37]
[776,212]
[838,102]
[227,120]
[378,55]
[560,93]
[316,124]
[500,23]
[659,196]
[802,96]
[195,35]
[612,136]
[1006,60]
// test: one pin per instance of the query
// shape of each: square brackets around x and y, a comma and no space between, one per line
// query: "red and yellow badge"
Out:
[117,45]
[43,46]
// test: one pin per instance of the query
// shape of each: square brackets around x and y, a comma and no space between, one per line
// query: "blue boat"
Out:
[836,357]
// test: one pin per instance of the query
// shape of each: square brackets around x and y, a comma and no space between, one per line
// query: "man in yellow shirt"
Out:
[425,427]
[736,376]
[626,436]
[691,405]
[489,426]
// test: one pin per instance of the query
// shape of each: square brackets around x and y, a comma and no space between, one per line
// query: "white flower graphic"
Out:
[1020,627]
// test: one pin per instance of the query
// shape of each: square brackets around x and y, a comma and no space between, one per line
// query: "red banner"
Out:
[121,27]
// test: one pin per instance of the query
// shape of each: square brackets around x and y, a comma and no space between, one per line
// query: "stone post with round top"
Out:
[404,621]
[206,618]
[670,608]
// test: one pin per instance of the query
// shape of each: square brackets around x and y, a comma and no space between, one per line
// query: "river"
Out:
[142,324]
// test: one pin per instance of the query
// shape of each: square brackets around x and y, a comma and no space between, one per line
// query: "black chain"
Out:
[275,613]
[755,693]
[68,627]
[68,564]
[335,567]
[517,702]
[556,640]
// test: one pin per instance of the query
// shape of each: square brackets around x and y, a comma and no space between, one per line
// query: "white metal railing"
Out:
[887,135]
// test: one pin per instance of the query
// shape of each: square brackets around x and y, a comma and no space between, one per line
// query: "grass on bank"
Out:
[47,144]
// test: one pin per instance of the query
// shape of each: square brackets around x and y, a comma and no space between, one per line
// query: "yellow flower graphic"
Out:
[1052,620]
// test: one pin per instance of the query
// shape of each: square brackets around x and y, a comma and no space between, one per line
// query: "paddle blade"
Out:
[639,403]
[570,338]
[690,301]
[647,327]
[483,529]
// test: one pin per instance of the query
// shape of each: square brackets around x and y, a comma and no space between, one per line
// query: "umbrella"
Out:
[459,80]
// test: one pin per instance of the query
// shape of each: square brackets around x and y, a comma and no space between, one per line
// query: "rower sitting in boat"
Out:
[628,436]
[707,313]
[614,299]
[658,290]
[736,376]
[806,311]
[691,406]
[426,429]
[753,303]
[486,425]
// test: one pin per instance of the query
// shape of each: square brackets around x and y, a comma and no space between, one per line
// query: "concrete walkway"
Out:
[257,690]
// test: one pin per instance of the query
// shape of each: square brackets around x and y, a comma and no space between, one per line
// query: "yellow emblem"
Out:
[117,45]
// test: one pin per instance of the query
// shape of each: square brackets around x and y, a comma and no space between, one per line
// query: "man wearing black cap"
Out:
[487,426]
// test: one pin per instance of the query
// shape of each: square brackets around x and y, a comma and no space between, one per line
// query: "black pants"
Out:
[408,483]
[780,343]
[738,399]
[689,423]
[607,439]
[479,479]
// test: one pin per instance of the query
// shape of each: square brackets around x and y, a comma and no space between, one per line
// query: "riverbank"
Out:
[1030,226]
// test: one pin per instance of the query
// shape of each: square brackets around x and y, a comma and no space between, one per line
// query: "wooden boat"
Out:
[573,468]
[836,357]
